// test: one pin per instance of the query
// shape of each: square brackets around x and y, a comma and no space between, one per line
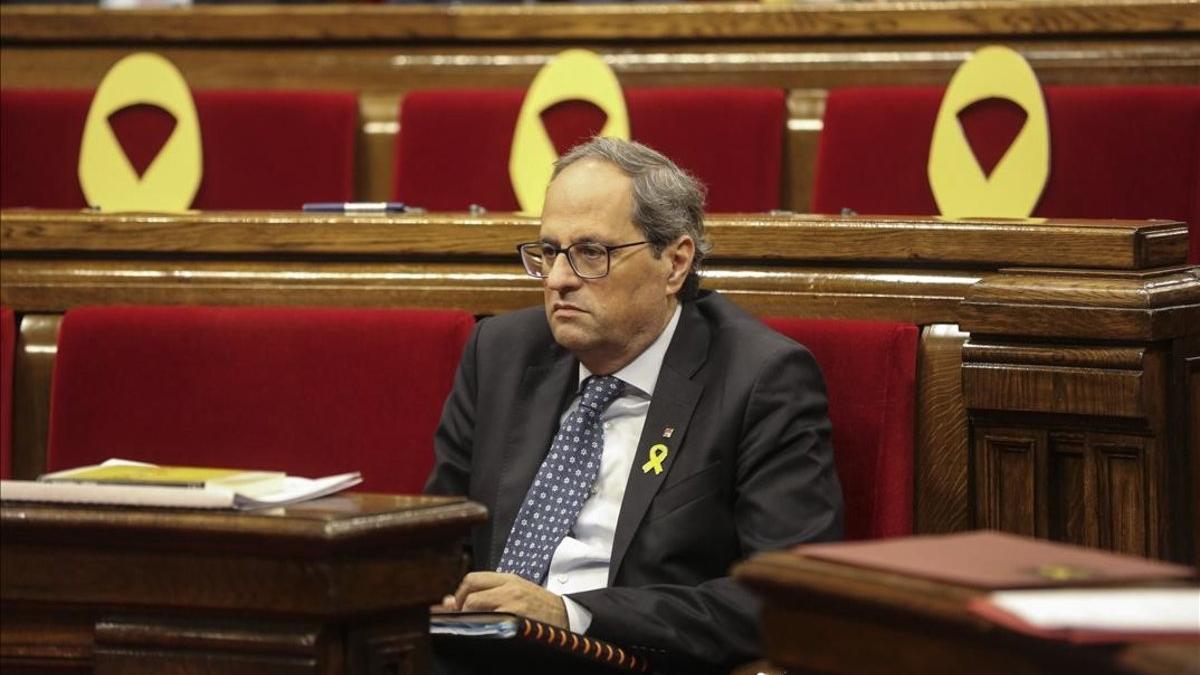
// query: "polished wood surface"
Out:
[914,240]
[832,618]
[714,21]
[941,466]
[1052,394]
[307,588]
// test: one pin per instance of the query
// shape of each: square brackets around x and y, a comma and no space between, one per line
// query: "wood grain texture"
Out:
[306,588]
[1009,477]
[831,618]
[369,68]
[598,22]
[806,112]
[1127,245]
[154,644]
[1150,305]
[33,367]
[1094,380]
[1191,408]
[943,435]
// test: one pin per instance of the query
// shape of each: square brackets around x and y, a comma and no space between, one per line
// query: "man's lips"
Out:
[566,307]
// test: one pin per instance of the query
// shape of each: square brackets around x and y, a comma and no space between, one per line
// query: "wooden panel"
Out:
[42,636]
[146,645]
[1072,518]
[943,442]
[32,370]
[558,22]
[1191,407]
[306,588]
[1122,499]
[1139,306]
[825,617]
[388,648]
[375,164]
[915,241]
[1008,476]
[806,112]
[1010,379]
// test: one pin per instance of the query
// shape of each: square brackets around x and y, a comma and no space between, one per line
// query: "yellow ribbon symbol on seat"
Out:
[658,453]
[106,175]
[960,187]
[575,74]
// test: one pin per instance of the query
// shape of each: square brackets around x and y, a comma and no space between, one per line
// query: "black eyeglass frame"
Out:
[571,260]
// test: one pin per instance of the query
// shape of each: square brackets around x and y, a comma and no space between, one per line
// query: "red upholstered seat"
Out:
[870,373]
[8,347]
[1115,152]
[262,149]
[308,391]
[454,145]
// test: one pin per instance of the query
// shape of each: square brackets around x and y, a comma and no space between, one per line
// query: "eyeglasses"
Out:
[590,260]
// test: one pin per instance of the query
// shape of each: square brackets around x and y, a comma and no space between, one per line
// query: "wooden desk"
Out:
[832,618]
[336,585]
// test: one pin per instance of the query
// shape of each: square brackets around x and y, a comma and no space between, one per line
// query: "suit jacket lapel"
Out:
[675,398]
[543,395]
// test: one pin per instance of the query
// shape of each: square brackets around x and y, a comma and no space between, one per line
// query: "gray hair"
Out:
[668,202]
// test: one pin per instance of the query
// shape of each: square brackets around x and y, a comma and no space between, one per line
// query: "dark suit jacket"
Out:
[749,468]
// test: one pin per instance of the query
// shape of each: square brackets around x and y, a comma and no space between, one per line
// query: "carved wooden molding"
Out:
[711,21]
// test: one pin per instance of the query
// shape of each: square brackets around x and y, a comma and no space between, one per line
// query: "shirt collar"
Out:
[642,372]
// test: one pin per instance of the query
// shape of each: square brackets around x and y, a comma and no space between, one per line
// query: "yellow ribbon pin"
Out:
[658,453]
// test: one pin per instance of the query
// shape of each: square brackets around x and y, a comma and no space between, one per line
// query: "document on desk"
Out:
[1097,614]
[88,487]
[995,560]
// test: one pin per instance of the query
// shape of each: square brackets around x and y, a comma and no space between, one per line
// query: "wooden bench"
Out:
[382,51]
[1058,362]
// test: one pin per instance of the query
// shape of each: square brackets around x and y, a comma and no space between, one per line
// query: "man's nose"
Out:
[562,275]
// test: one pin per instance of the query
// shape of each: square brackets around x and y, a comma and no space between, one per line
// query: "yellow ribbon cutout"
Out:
[960,187]
[658,453]
[106,175]
[575,74]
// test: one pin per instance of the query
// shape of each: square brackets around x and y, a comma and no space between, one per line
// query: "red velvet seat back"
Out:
[1115,152]
[454,145]
[261,149]
[308,391]
[8,347]
[870,373]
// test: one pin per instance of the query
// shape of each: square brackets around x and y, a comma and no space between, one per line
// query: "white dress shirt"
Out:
[581,561]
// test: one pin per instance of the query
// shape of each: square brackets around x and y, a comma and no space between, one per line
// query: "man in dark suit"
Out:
[619,503]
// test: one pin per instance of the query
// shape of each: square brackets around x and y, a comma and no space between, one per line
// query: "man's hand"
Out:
[497,592]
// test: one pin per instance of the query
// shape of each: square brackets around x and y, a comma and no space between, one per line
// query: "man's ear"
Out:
[680,255]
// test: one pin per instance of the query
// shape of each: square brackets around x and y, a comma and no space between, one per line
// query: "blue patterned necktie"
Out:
[562,485]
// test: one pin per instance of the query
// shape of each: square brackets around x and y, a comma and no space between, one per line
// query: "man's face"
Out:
[606,322]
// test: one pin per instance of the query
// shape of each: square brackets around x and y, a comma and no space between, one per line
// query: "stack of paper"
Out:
[1097,614]
[138,484]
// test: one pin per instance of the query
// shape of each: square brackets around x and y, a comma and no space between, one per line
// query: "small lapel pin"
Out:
[658,453]
[668,431]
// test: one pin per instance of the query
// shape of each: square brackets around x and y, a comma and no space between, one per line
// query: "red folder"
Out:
[994,560]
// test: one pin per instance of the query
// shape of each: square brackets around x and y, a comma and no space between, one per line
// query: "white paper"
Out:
[1114,609]
[295,489]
